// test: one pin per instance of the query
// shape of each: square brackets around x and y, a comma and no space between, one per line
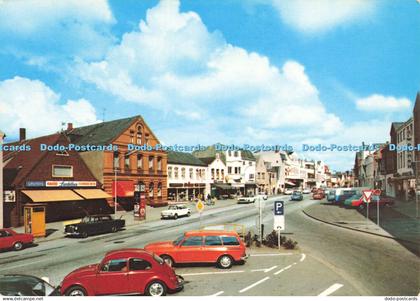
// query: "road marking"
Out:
[212,273]
[264,270]
[288,267]
[217,294]
[278,272]
[331,289]
[269,254]
[254,284]
[303,257]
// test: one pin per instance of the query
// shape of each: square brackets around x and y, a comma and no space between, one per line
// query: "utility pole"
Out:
[2,135]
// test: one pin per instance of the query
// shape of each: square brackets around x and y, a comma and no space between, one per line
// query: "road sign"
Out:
[278,207]
[199,206]
[279,223]
[367,195]
[377,192]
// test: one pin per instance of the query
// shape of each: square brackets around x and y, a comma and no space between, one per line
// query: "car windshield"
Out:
[158,259]
[172,207]
[178,240]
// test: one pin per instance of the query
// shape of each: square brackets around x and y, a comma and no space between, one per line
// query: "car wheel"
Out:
[114,229]
[84,235]
[168,259]
[76,291]
[156,288]
[18,246]
[176,216]
[225,262]
[188,214]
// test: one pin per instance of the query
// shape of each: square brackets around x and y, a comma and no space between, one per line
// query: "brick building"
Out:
[119,170]
[59,179]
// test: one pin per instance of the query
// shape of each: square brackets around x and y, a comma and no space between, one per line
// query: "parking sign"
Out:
[279,223]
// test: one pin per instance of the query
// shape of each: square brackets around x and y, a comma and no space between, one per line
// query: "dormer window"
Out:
[62,153]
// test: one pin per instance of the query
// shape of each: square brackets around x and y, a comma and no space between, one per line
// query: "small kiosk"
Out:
[34,219]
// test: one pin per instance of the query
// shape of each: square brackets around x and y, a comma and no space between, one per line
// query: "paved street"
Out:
[329,260]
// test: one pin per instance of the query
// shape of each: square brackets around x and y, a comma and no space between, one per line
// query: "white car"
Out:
[246,200]
[175,211]
[288,191]
[306,191]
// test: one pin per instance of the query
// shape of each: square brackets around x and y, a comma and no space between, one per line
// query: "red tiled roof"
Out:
[25,161]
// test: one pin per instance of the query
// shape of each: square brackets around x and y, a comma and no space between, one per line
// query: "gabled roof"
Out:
[184,159]
[21,163]
[100,133]
[209,154]
[396,125]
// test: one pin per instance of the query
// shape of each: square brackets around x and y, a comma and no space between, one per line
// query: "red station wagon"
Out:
[123,272]
[221,247]
[10,239]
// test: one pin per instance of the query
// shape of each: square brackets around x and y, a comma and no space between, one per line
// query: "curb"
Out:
[358,230]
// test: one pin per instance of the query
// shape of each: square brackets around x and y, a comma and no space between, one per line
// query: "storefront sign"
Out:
[9,196]
[60,184]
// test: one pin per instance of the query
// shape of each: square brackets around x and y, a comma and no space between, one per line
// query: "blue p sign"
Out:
[278,207]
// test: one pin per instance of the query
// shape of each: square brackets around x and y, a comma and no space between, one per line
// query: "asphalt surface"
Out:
[328,261]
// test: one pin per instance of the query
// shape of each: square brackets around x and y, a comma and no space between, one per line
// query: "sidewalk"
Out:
[55,230]
[393,223]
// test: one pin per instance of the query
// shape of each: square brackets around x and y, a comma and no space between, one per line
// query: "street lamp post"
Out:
[115,191]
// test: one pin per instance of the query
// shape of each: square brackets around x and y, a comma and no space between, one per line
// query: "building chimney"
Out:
[69,126]
[22,134]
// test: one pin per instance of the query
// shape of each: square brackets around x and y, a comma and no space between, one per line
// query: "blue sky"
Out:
[206,71]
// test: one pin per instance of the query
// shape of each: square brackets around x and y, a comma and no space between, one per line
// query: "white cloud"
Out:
[321,15]
[173,61]
[381,103]
[33,105]
[73,27]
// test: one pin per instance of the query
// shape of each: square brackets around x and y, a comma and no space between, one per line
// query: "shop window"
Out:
[62,171]
[151,188]
[159,190]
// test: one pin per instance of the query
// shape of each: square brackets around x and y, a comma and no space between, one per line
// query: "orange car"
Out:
[208,246]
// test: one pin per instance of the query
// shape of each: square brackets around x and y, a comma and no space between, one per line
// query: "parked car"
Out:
[246,200]
[376,200]
[296,196]
[123,272]
[25,285]
[208,246]
[94,224]
[288,191]
[306,191]
[318,194]
[9,239]
[344,195]
[353,201]
[175,211]
[330,195]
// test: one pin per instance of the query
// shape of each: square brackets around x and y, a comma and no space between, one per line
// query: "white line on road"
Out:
[288,267]
[217,294]
[264,270]
[212,273]
[254,284]
[331,289]
[278,272]
[303,257]
[268,254]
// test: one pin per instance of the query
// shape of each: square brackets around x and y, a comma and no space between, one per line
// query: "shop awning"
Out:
[90,194]
[62,195]
[223,186]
